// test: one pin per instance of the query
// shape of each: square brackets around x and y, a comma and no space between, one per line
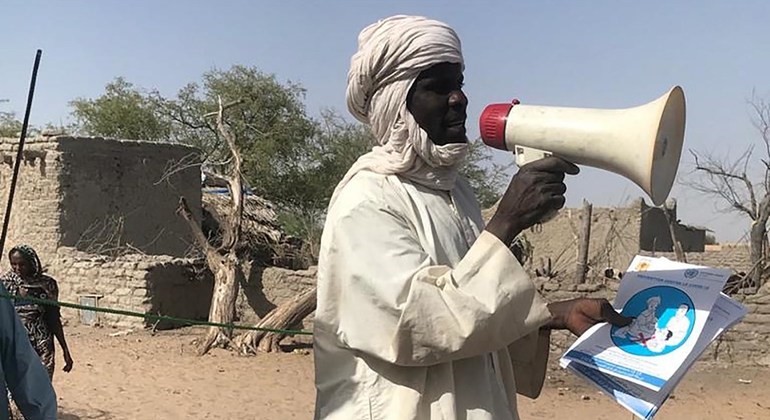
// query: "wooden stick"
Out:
[585,241]
[19,156]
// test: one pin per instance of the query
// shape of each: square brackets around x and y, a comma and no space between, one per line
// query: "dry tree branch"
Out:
[720,181]
[186,162]
[235,186]
[234,180]
[200,238]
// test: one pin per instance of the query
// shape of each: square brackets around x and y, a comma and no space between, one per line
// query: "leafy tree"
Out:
[9,125]
[486,177]
[121,112]
[321,165]
[270,123]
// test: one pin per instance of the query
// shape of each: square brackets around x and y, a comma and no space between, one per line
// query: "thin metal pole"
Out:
[17,163]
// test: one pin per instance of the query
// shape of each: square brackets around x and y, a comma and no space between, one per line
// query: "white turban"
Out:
[391,54]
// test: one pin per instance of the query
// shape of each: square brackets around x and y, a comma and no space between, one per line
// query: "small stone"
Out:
[585,397]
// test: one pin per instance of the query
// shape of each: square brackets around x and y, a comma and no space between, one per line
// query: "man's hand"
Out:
[536,190]
[578,315]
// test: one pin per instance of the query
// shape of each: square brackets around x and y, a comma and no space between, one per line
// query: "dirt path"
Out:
[138,376]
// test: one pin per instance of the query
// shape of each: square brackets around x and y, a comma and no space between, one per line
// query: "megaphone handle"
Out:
[525,155]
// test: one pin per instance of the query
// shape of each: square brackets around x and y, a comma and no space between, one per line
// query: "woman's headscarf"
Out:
[391,54]
[30,256]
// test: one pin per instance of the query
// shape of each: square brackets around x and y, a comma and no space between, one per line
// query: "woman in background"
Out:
[42,321]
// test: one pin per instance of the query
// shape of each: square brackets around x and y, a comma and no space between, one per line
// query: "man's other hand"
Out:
[578,315]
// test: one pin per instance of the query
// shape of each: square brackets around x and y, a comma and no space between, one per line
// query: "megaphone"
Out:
[642,143]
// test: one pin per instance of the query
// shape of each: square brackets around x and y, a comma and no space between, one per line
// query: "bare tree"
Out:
[223,260]
[731,182]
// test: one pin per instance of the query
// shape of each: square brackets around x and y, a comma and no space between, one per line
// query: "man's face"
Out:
[438,104]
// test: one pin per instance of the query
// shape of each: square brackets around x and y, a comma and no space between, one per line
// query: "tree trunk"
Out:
[222,261]
[757,235]
[283,317]
[585,242]
[222,309]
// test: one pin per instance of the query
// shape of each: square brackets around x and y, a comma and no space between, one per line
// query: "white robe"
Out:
[421,314]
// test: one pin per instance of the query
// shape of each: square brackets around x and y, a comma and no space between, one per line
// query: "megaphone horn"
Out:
[642,143]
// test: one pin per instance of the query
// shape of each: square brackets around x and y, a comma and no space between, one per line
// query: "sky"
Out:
[598,54]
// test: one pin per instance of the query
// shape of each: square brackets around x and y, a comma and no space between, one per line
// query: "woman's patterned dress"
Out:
[33,316]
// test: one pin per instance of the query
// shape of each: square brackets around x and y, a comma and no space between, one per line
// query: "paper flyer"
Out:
[643,402]
[670,303]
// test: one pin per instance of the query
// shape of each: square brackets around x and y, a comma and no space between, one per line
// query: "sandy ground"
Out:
[140,376]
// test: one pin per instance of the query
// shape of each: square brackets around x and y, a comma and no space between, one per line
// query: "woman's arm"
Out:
[53,320]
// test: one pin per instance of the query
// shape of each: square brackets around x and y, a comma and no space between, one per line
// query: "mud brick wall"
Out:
[749,341]
[735,257]
[161,285]
[269,287]
[614,239]
[96,194]
[35,213]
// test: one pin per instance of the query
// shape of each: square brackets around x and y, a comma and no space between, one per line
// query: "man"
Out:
[677,327]
[424,313]
[21,370]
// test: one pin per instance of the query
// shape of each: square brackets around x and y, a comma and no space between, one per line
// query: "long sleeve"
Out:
[25,375]
[529,360]
[385,297]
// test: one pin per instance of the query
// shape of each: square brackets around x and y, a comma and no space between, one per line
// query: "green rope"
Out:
[151,316]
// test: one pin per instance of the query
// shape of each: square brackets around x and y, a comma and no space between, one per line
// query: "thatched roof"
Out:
[260,222]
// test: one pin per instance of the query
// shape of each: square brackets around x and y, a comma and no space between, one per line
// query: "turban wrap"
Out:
[391,54]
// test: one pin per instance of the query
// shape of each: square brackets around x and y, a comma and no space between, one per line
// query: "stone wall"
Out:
[749,341]
[139,283]
[97,194]
[165,285]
